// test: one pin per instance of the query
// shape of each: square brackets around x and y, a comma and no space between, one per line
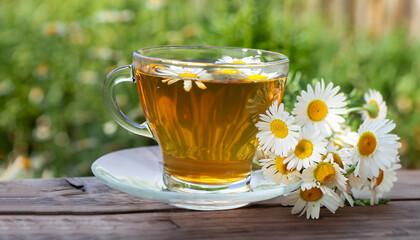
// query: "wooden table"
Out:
[84,208]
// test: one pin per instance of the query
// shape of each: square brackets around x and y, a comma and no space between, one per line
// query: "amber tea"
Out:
[207,134]
[201,104]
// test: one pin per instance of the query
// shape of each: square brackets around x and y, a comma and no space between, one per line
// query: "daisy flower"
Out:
[343,157]
[321,108]
[325,175]
[355,182]
[375,105]
[273,166]
[245,60]
[229,59]
[258,74]
[309,149]
[382,183]
[188,75]
[376,148]
[345,138]
[277,130]
[310,201]
[346,195]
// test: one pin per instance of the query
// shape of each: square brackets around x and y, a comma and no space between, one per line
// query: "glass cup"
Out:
[201,105]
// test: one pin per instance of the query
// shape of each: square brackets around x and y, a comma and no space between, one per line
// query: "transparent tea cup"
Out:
[201,105]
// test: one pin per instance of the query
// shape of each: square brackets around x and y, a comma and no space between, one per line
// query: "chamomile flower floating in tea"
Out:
[376,148]
[188,75]
[321,108]
[310,201]
[325,175]
[273,166]
[277,130]
[245,60]
[229,59]
[258,74]
[309,149]
[375,106]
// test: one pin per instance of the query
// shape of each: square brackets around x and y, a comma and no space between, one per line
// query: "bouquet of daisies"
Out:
[313,144]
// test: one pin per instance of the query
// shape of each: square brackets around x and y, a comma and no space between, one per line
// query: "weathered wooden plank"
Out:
[58,196]
[407,186]
[398,220]
[90,196]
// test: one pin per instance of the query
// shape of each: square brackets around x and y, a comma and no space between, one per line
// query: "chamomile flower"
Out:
[321,108]
[375,104]
[355,182]
[273,166]
[383,183]
[325,175]
[258,74]
[345,138]
[245,60]
[235,72]
[309,149]
[188,75]
[346,195]
[376,148]
[310,201]
[343,157]
[277,130]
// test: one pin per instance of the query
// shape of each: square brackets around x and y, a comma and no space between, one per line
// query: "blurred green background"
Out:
[54,56]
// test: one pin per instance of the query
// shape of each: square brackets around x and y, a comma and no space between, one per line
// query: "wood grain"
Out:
[90,196]
[57,196]
[396,220]
[84,208]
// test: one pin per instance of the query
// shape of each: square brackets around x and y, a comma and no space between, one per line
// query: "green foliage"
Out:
[54,56]
[366,202]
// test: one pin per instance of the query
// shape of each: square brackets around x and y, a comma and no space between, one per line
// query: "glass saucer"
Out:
[132,172]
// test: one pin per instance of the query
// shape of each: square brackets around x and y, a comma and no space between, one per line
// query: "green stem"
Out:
[354,109]
[350,170]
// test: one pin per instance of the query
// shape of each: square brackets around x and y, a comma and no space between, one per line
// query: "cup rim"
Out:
[138,54]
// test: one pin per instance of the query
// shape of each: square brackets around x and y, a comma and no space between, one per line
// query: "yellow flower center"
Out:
[380,178]
[311,195]
[281,167]
[188,75]
[336,159]
[279,128]
[373,107]
[239,62]
[324,172]
[256,77]
[338,142]
[317,110]
[304,149]
[366,144]
[229,71]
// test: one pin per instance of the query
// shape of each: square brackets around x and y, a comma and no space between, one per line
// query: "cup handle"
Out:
[112,80]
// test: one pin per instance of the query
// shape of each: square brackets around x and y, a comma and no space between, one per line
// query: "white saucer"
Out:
[131,172]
